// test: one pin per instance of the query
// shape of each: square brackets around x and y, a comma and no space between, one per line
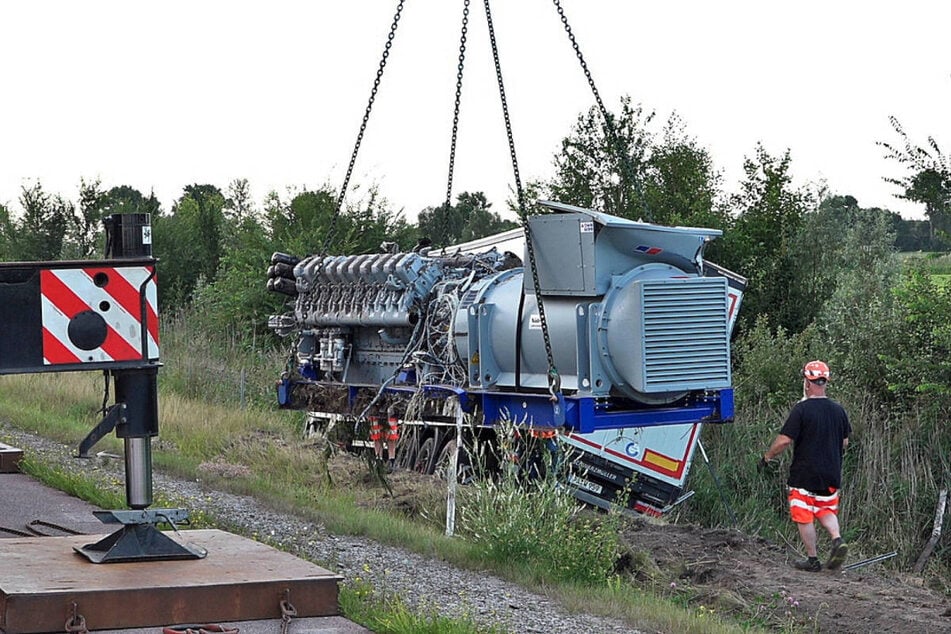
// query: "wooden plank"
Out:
[240,579]
[10,458]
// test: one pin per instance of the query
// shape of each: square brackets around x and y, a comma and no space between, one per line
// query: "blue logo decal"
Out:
[632,449]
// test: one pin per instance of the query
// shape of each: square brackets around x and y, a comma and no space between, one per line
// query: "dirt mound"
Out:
[724,571]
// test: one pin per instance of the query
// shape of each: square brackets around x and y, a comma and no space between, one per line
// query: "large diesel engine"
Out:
[638,326]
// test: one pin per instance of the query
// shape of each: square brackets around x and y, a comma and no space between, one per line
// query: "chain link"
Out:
[626,168]
[363,126]
[455,116]
[287,611]
[553,380]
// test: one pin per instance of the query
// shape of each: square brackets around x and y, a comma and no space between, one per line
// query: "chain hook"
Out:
[75,622]
[554,383]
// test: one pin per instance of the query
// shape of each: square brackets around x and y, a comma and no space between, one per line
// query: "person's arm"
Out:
[845,444]
[779,446]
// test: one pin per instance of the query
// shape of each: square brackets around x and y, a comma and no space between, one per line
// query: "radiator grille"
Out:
[686,336]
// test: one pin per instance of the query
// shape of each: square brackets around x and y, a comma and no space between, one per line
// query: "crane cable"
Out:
[554,380]
[626,168]
[363,126]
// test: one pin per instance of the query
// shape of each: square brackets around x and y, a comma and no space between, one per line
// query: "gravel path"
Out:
[429,585]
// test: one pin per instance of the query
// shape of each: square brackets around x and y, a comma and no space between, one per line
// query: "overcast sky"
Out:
[164,94]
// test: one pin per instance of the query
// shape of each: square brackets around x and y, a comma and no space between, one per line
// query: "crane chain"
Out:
[363,126]
[608,124]
[554,381]
[455,114]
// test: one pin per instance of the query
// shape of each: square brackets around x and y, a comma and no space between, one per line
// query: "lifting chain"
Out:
[287,611]
[455,115]
[363,126]
[554,381]
[625,160]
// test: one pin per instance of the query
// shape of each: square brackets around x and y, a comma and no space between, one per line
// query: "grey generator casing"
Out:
[627,306]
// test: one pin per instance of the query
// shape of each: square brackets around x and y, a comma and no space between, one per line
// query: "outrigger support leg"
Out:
[135,419]
[139,539]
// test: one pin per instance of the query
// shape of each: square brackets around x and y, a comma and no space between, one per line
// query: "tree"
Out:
[681,184]
[238,204]
[42,228]
[470,218]
[668,181]
[301,224]
[128,200]
[594,172]
[927,179]
[238,299]
[189,243]
[7,235]
[761,246]
[85,226]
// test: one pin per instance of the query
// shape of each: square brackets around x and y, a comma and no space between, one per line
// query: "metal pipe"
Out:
[138,472]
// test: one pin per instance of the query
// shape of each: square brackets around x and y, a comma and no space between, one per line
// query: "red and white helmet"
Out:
[815,371]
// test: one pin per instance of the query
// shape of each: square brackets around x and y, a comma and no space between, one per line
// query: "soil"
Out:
[754,580]
[720,571]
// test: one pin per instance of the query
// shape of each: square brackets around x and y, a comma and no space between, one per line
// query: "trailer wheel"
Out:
[464,472]
[408,448]
[425,462]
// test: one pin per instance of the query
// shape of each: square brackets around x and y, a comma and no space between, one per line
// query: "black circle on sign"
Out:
[100,279]
[104,305]
[87,330]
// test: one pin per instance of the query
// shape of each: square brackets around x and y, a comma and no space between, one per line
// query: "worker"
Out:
[818,428]
[547,437]
[392,437]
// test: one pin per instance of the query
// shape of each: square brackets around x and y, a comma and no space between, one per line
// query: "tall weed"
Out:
[530,518]
[219,366]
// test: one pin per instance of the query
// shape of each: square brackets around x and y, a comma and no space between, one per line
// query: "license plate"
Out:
[581,483]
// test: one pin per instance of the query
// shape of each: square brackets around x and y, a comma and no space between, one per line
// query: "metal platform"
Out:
[10,458]
[240,579]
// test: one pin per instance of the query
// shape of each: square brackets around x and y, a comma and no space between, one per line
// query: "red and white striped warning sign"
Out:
[102,305]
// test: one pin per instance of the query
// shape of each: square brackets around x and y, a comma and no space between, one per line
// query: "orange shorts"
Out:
[804,506]
[376,429]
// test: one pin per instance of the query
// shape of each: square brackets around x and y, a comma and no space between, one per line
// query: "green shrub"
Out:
[516,518]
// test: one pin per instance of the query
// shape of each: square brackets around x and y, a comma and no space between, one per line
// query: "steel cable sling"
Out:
[554,380]
[613,137]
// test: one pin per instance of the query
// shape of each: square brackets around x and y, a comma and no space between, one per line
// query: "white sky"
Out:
[160,95]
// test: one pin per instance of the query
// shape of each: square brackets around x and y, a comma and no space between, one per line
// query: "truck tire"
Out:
[426,457]
[408,448]
[463,468]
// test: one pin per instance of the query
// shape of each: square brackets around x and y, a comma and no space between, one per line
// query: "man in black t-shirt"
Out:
[818,428]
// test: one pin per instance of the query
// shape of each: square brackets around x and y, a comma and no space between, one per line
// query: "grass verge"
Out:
[261,454]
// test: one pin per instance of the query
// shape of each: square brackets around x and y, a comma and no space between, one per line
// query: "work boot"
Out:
[390,465]
[839,550]
[812,564]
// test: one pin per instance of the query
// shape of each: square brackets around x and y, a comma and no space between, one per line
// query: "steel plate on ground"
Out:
[10,458]
[240,579]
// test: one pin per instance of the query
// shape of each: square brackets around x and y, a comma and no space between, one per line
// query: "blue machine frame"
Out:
[583,414]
